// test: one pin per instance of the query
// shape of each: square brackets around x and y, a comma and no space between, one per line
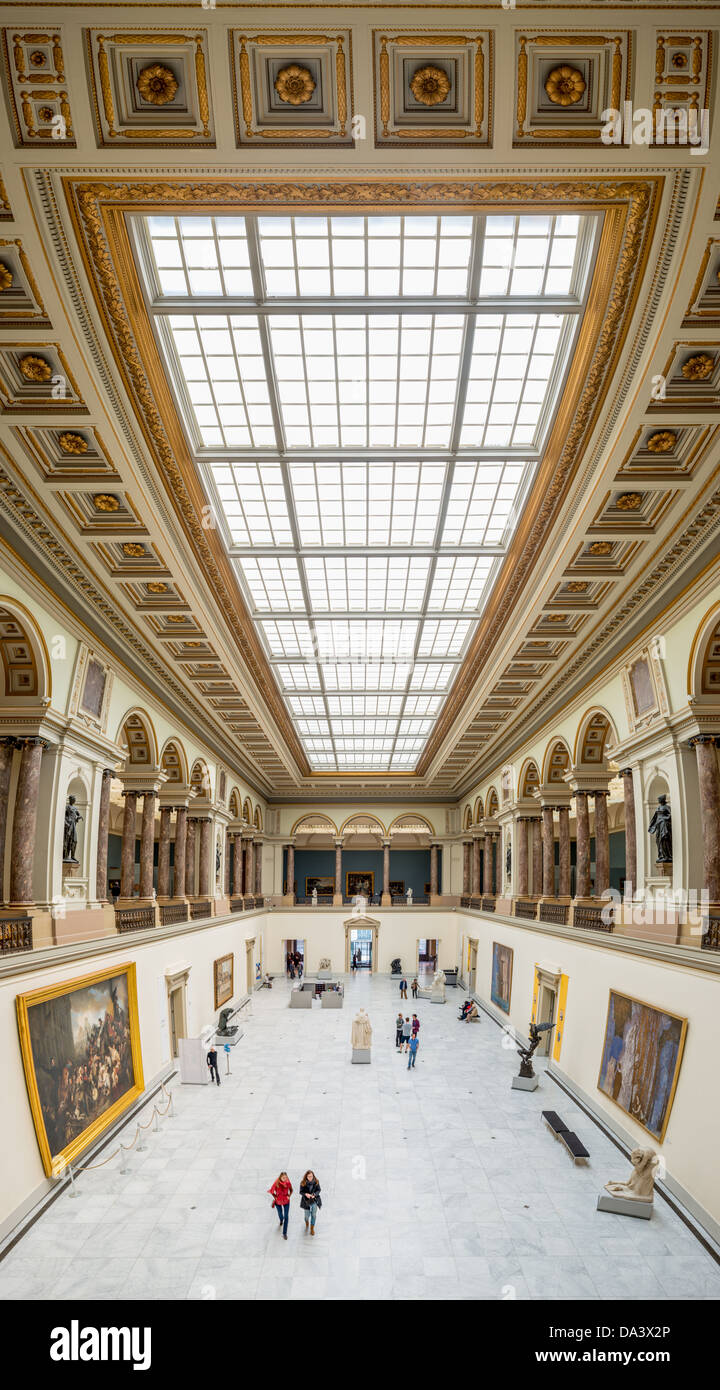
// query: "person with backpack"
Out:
[414,1044]
[310,1199]
[281,1192]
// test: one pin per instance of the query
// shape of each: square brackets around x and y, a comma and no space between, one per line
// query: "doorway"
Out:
[427,955]
[249,969]
[177,1010]
[361,945]
[293,957]
[472,965]
[546,1014]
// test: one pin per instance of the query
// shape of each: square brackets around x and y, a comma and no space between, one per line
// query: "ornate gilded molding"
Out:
[320,106]
[172,85]
[460,108]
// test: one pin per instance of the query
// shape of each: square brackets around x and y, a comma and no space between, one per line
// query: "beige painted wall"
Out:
[324,935]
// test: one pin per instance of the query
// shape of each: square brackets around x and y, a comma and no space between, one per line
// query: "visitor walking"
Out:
[300,964]
[403,988]
[310,1199]
[415,1025]
[406,1031]
[281,1192]
[212,1063]
[414,988]
[399,1032]
[414,1044]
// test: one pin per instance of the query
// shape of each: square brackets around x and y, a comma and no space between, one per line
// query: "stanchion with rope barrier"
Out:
[62,1168]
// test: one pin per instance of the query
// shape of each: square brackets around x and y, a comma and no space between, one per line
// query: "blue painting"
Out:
[501,983]
[641,1061]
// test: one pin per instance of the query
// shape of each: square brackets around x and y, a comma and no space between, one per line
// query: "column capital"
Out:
[602,791]
[31,741]
[626,772]
[703,738]
[130,791]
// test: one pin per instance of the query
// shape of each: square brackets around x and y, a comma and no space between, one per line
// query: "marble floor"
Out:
[438,1183]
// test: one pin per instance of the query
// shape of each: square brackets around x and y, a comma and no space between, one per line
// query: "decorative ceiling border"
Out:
[99,209]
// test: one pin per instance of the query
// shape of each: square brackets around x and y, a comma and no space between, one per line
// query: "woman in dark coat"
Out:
[310,1199]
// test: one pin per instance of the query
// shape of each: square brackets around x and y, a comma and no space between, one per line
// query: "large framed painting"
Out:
[501,980]
[641,1059]
[397,887]
[323,882]
[80,1044]
[360,881]
[224,979]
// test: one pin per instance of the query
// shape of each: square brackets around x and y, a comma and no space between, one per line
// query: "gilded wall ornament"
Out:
[6,278]
[600,548]
[157,586]
[662,442]
[157,84]
[578,586]
[176,618]
[430,85]
[35,368]
[629,501]
[698,368]
[106,502]
[556,617]
[294,84]
[133,548]
[565,85]
[73,443]
[46,113]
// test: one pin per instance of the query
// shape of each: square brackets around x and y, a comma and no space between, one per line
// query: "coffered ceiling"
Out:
[351,386]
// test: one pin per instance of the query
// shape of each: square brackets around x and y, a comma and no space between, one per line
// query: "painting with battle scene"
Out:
[81,1053]
[641,1060]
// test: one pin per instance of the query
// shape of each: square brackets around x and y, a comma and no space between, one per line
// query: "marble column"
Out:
[127,854]
[258,869]
[338,894]
[564,817]
[7,750]
[602,844]
[466,868]
[487,865]
[497,866]
[630,830]
[583,845]
[433,871]
[190,840]
[101,862]
[147,844]
[386,872]
[180,851]
[237,883]
[291,871]
[226,881]
[548,852]
[537,856]
[709,785]
[22,845]
[250,869]
[477,849]
[523,830]
[205,848]
[163,880]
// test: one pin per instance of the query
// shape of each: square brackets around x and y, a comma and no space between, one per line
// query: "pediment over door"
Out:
[362,921]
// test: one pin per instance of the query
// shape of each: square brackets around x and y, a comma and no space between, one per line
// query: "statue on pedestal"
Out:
[360,903]
[361,1036]
[661,827]
[641,1183]
[409,897]
[314,897]
[72,816]
[526,1053]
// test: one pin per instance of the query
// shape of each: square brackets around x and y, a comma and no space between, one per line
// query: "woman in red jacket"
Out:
[281,1192]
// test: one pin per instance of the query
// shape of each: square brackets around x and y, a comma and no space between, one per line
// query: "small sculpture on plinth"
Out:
[396,966]
[508,861]
[640,1185]
[314,899]
[217,863]
[409,897]
[72,816]
[526,1053]
[661,827]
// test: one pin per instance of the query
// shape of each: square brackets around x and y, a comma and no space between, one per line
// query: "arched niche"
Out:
[704,664]
[467,817]
[200,780]
[235,805]
[529,778]
[492,803]
[78,788]
[556,762]
[314,831]
[137,736]
[478,811]
[362,831]
[596,733]
[247,811]
[26,670]
[258,818]
[173,761]
[410,832]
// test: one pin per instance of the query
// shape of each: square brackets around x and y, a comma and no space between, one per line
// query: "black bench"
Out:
[575,1148]
[554,1123]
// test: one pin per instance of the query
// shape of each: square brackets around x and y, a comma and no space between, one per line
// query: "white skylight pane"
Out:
[298,677]
[291,638]
[274,585]
[252,501]
[350,504]
[481,502]
[432,676]
[443,638]
[459,583]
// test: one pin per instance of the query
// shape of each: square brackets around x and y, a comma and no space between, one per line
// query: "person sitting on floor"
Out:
[465,1010]
[471,1013]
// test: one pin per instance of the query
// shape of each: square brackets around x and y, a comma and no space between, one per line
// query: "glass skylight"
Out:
[367,399]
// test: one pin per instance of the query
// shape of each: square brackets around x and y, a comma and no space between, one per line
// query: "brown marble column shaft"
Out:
[190,841]
[466,868]
[709,785]
[205,848]
[386,868]
[101,862]
[258,869]
[163,880]
[602,844]
[226,881]
[250,869]
[7,751]
[433,870]
[537,856]
[237,883]
[630,828]
[564,819]
[291,869]
[338,869]
[475,884]
[147,844]
[497,867]
[22,845]
[582,886]
[487,886]
[127,854]
[548,823]
[180,851]
[523,828]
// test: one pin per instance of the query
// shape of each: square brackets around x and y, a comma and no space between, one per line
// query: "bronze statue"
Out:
[72,816]
[526,1053]
[661,827]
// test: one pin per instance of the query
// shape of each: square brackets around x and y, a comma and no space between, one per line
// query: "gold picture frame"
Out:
[54,1157]
[354,879]
[224,988]
[645,1092]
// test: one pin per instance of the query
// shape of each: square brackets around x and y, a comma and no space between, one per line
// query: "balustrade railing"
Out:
[591,918]
[199,909]
[15,934]
[555,914]
[134,918]
[488,904]
[711,936]
[525,909]
[171,913]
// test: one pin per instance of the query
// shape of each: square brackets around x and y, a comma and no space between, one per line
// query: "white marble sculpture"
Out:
[361,1036]
[408,895]
[640,1185]
[314,897]
[324,963]
[438,985]
[360,903]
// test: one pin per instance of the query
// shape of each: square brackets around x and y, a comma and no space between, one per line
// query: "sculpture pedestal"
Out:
[525,1083]
[361,1056]
[324,974]
[626,1206]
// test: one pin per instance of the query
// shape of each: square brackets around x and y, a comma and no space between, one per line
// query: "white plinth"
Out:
[361,1056]
[324,974]
[626,1206]
[525,1083]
